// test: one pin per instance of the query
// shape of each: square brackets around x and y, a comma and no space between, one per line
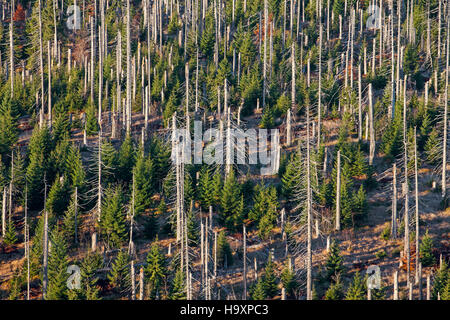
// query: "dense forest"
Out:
[99,202]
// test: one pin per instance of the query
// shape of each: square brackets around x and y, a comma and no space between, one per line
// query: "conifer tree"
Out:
[258,292]
[75,171]
[119,276]
[335,262]
[357,289]
[217,187]
[426,251]
[89,266]
[126,160]
[8,123]
[15,286]
[270,279]
[156,270]
[70,227]
[432,150]
[144,180]
[112,222]
[178,290]
[206,187]
[38,150]
[264,211]
[192,227]
[224,255]
[91,120]
[10,237]
[291,177]
[288,280]
[446,292]
[58,197]
[231,214]
[440,281]
[335,291]
[57,267]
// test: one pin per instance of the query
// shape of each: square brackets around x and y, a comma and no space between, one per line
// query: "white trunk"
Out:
[371,127]
[417,205]
[338,192]
[394,203]
[141,283]
[309,211]
[11,48]
[406,211]
[444,151]
[128,105]
[319,94]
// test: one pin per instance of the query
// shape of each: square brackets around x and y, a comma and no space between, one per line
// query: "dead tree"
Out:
[406,213]
[396,285]
[128,104]
[4,212]
[444,151]
[371,127]
[338,192]
[11,48]
[394,203]
[45,249]
[27,242]
[319,93]
[41,59]
[244,260]
[141,283]
[309,210]
[49,87]
[417,204]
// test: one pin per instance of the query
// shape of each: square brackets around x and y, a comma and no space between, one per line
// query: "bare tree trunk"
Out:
[417,204]
[309,211]
[27,242]
[133,282]
[266,15]
[45,251]
[338,192]
[4,212]
[41,59]
[394,203]
[420,280]
[396,285]
[49,87]
[92,65]
[360,125]
[11,48]
[76,214]
[371,126]
[406,213]
[444,151]
[128,106]
[319,94]
[141,283]
[244,260]
[215,254]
